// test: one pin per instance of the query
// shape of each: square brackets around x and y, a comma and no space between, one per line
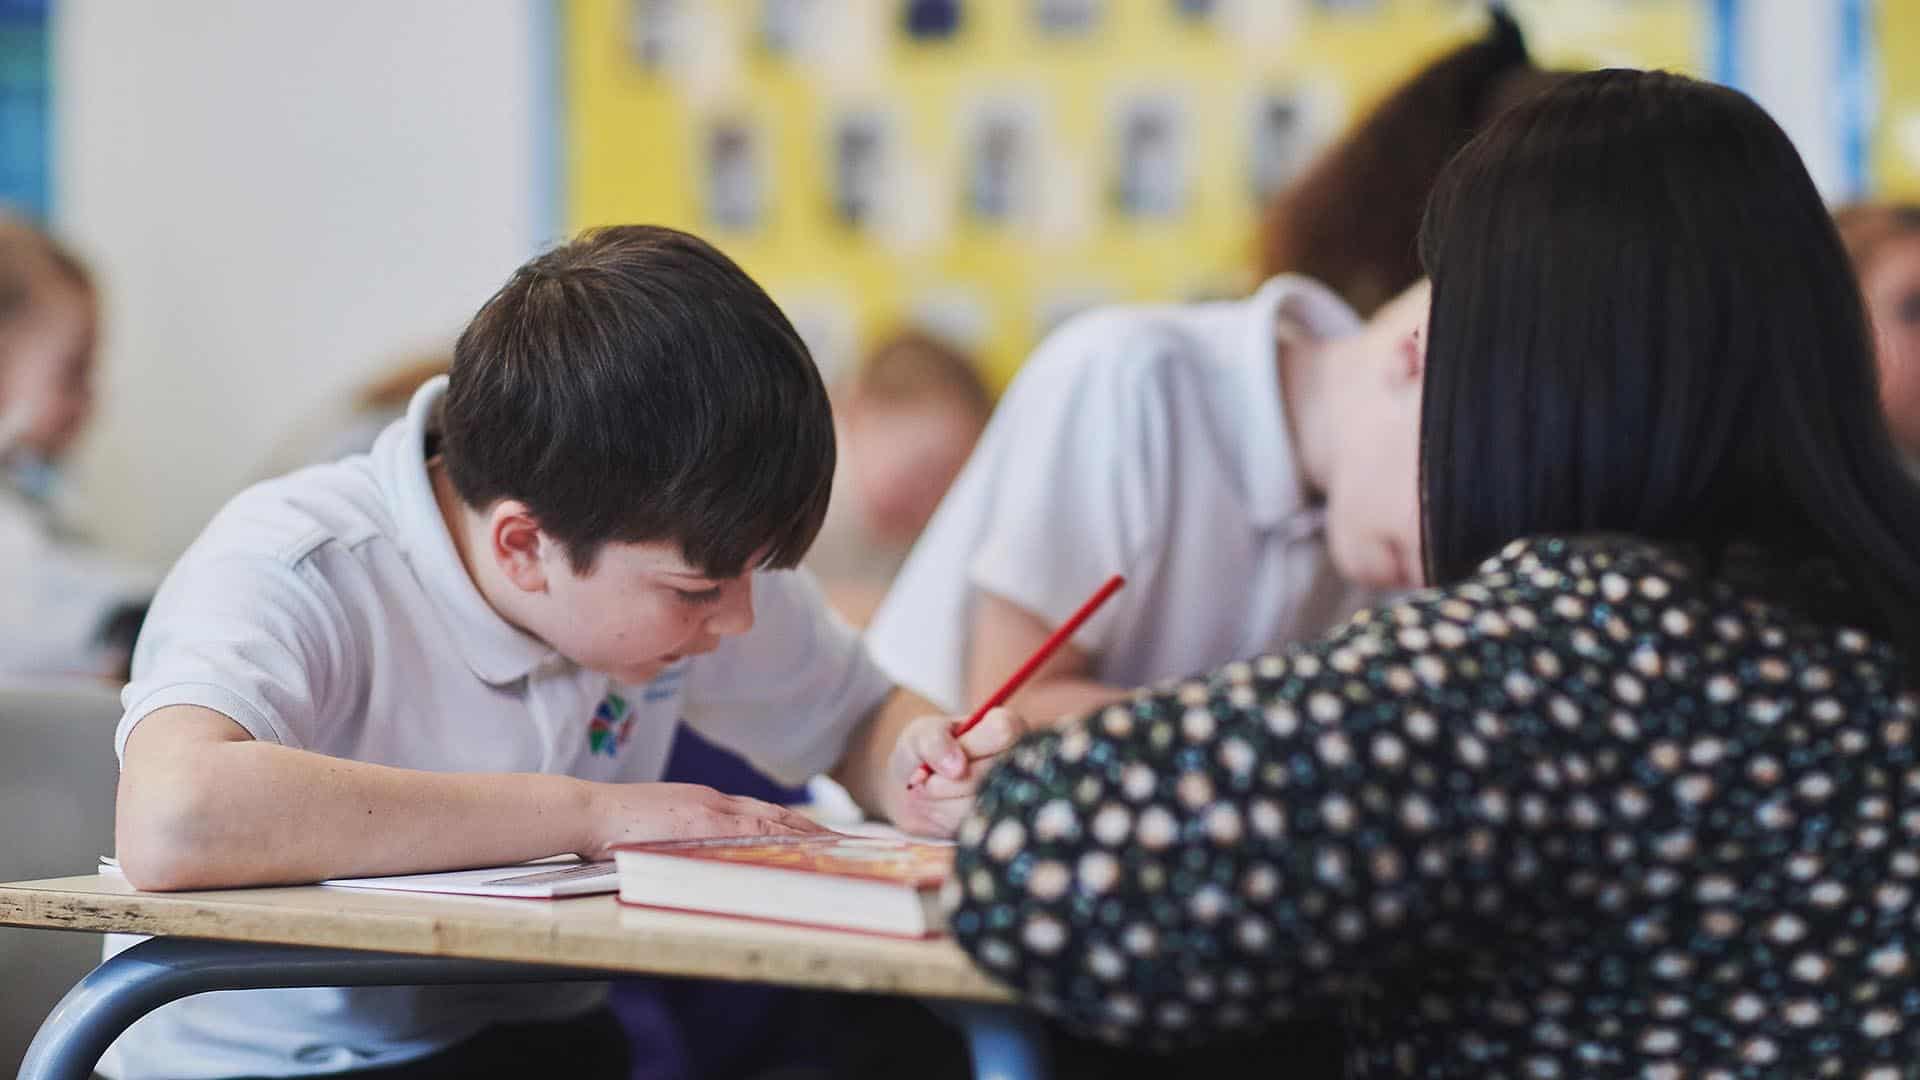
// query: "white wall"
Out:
[1788,59]
[279,198]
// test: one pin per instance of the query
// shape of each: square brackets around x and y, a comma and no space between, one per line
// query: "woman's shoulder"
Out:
[1632,589]
[1603,568]
[1589,557]
[1580,595]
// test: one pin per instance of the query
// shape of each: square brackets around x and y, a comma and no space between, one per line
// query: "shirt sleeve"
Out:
[1226,852]
[251,638]
[1064,491]
[787,694]
[1078,486]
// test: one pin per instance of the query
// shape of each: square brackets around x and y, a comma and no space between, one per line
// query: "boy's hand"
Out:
[632,813]
[936,807]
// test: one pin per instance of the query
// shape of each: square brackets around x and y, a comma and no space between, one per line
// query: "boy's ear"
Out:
[516,544]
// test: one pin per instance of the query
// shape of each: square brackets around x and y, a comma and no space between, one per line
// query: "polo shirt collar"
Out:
[1275,492]
[495,650]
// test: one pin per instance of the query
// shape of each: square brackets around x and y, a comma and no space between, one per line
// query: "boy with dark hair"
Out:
[471,646]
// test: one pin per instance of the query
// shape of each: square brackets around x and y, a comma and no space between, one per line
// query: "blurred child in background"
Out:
[907,419]
[1883,240]
[65,609]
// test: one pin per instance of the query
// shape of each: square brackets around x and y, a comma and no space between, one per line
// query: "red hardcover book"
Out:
[875,884]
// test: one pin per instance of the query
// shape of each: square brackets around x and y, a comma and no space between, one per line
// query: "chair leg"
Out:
[1005,1043]
[139,980]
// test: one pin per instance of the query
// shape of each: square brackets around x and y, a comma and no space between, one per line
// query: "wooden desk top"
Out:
[586,932]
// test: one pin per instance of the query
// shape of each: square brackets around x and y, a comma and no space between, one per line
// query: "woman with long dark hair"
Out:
[1631,788]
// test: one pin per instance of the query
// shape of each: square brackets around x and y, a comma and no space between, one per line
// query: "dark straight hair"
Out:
[1644,323]
[637,385]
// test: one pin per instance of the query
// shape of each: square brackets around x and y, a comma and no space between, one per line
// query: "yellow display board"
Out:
[984,168]
[1895,147]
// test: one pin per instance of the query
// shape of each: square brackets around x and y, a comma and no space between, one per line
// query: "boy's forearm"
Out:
[863,768]
[1051,701]
[1004,635]
[253,813]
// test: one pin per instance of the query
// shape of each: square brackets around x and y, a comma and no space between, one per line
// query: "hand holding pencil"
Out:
[1047,648]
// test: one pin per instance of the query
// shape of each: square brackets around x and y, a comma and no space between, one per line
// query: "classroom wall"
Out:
[279,199]
[988,173]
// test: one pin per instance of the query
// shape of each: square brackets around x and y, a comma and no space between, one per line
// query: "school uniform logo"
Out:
[611,726]
[612,723]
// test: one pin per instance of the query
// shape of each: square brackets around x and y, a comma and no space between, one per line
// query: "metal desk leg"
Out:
[1005,1043]
[154,972]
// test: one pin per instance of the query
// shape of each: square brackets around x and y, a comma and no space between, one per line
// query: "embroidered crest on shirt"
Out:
[611,726]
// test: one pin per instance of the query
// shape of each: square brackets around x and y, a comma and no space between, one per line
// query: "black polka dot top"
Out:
[1595,812]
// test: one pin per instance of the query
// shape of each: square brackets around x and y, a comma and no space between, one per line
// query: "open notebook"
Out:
[542,879]
[546,879]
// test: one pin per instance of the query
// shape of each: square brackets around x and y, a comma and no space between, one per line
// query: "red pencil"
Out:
[1047,648]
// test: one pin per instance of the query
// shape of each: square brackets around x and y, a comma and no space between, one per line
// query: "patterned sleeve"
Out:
[1218,854]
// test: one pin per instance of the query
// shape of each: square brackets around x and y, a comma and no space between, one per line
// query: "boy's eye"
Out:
[703,596]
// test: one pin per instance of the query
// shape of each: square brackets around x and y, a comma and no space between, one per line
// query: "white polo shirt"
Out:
[328,611]
[1145,441]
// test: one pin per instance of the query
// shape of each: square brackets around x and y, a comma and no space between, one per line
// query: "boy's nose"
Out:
[734,613]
